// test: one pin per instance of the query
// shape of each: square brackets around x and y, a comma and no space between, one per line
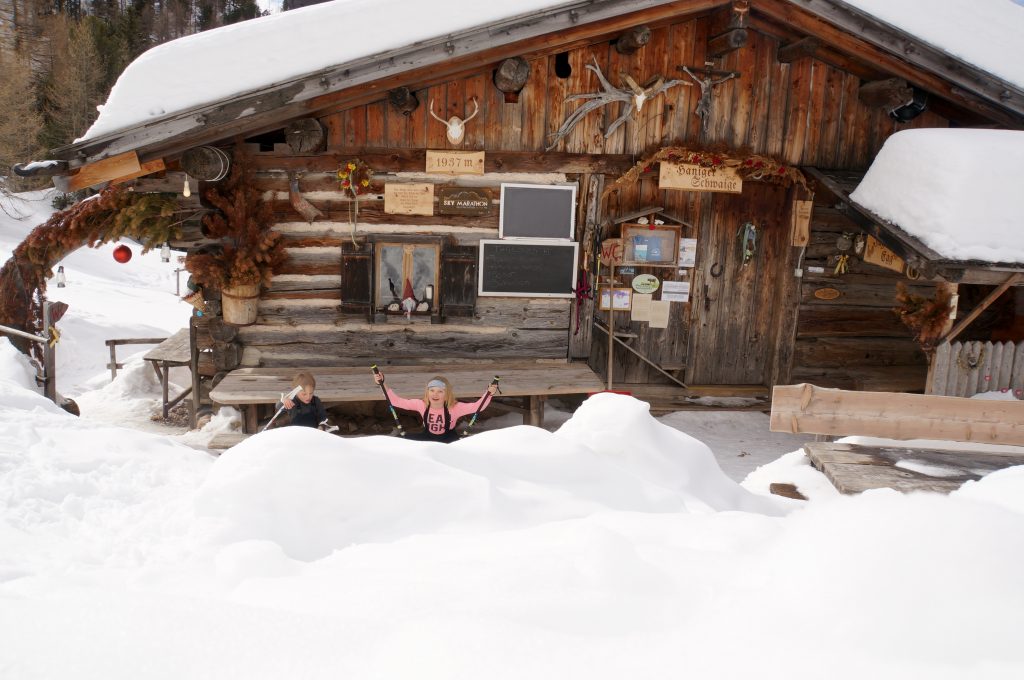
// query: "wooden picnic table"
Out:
[532,380]
[174,351]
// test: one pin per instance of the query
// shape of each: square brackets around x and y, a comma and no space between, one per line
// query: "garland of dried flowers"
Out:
[114,213]
[752,166]
[248,253]
[354,178]
[926,316]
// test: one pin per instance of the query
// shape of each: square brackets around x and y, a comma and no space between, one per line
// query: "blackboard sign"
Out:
[538,211]
[527,268]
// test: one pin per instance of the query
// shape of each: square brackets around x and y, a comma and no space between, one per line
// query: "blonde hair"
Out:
[449,393]
[304,379]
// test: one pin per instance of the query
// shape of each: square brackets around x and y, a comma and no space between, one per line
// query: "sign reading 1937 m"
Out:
[455,162]
[463,201]
[692,177]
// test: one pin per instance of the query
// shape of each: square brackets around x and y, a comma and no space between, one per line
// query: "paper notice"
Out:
[659,313]
[641,307]
[675,291]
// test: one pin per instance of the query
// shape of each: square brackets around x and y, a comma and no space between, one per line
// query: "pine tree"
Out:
[20,123]
[75,86]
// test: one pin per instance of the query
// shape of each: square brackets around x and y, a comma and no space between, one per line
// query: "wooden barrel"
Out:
[239,304]
[207,163]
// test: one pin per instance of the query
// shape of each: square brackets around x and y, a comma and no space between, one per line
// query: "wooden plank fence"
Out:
[963,369]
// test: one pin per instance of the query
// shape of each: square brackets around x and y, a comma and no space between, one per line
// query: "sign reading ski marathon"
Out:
[463,201]
[456,162]
[692,177]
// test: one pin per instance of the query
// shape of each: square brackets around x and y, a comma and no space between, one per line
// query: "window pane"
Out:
[423,270]
[389,280]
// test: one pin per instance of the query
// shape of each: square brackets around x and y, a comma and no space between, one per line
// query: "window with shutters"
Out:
[407,277]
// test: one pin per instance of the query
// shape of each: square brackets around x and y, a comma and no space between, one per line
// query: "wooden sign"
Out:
[692,177]
[827,293]
[456,162]
[611,251]
[876,253]
[463,201]
[802,222]
[409,199]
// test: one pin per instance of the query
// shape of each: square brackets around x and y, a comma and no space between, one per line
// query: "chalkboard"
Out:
[538,211]
[527,268]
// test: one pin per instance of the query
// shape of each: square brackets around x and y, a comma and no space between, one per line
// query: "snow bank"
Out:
[958,191]
[611,456]
[611,548]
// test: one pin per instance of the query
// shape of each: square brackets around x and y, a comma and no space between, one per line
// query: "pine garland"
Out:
[747,166]
[112,214]
[249,252]
[926,316]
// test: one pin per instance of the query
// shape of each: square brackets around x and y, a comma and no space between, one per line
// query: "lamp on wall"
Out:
[912,109]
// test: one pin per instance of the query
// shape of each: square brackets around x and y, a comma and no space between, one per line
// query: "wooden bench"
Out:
[533,381]
[173,351]
[854,468]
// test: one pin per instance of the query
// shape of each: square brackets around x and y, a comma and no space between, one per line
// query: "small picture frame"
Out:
[623,299]
[650,246]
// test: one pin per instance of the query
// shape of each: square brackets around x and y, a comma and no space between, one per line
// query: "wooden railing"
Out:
[112,344]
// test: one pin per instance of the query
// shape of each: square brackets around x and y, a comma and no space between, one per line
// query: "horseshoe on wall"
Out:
[716,269]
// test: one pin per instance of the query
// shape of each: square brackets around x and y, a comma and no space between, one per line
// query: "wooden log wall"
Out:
[854,340]
[805,112]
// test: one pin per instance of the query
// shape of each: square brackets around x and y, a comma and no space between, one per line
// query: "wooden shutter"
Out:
[356,279]
[458,280]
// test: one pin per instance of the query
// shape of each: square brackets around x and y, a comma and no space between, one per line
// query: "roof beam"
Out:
[857,33]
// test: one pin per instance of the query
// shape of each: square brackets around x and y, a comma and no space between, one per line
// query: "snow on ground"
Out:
[616,545]
[956,190]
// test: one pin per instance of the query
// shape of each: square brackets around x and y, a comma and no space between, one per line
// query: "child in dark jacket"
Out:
[307,410]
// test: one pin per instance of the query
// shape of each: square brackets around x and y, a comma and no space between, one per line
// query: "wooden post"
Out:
[194,369]
[611,322]
[113,360]
[165,370]
[536,407]
[49,358]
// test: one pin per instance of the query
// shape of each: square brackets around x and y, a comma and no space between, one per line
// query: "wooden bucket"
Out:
[239,303]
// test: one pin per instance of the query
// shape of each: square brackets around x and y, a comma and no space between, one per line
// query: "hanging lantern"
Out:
[165,252]
[186,191]
[122,253]
[61,280]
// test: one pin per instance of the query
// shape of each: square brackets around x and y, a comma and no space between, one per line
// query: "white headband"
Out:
[436,383]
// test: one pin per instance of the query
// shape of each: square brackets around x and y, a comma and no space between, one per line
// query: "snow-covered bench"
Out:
[251,388]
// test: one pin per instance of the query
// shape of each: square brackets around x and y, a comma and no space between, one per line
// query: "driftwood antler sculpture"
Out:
[633,96]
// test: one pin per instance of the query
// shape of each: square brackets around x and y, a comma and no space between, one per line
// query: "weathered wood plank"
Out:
[825,322]
[334,384]
[806,408]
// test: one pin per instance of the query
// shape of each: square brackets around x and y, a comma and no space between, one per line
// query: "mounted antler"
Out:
[633,96]
[456,126]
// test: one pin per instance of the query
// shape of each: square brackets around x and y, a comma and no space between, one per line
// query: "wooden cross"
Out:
[706,82]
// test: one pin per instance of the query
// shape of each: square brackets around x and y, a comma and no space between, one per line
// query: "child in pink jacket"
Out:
[438,408]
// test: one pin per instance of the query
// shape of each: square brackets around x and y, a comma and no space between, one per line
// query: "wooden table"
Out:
[534,381]
[853,468]
[174,351]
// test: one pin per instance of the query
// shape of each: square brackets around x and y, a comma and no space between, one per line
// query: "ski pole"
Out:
[288,397]
[398,424]
[472,421]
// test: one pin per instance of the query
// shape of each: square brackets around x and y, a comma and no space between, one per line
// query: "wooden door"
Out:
[737,306]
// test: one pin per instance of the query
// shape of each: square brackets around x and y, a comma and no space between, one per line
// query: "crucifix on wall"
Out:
[707,80]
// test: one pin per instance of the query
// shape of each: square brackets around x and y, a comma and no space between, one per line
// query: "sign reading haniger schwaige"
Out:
[693,177]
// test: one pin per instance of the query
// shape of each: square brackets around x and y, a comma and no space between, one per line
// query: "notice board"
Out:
[527,268]
[538,211]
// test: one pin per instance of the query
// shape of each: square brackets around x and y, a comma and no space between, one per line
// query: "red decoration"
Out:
[122,253]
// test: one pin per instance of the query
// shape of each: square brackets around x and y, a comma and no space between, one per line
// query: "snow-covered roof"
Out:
[958,191]
[985,33]
[252,55]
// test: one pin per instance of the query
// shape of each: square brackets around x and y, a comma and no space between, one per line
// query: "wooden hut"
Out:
[730,128]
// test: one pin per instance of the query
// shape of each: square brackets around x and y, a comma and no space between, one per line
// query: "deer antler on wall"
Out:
[456,126]
[632,96]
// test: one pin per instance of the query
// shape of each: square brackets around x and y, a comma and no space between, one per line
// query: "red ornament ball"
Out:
[122,254]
